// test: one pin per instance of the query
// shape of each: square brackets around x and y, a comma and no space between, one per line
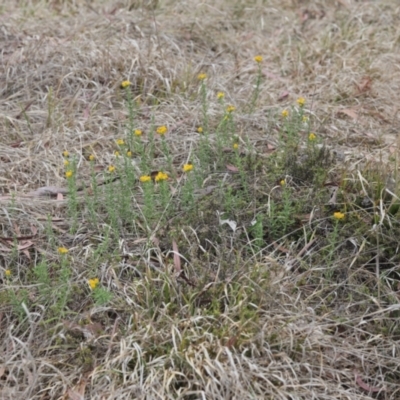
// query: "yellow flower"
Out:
[65,153]
[258,59]
[137,132]
[92,157]
[129,153]
[145,178]
[111,169]
[125,84]
[117,153]
[69,174]
[120,142]
[162,130]
[301,101]
[161,176]
[200,129]
[338,215]
[282,182]
[285,113]
[187,167]
[312,137]
[66,163]
[62,250]
[305,119]
[93,283]
[230,109]
[235,146]
[220,95]
[8,272]
[201,76]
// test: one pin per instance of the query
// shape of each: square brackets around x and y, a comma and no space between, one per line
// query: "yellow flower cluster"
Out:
[8,272]
[62,250]
[145,178]
[161,176]
[120,142]
[93,283]
[111,168]
[69,174]
[312,137]
[220,95]
[201,76]
[200,129]
[230,109]
[162,130]
[338,215]
[235,146]
[258,59]
[137,132]
[301,101]
[125,84]
[187,167]
[285,113]
[65,153]
[92,157]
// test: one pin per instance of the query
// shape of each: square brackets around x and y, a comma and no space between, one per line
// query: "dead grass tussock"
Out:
[277,321]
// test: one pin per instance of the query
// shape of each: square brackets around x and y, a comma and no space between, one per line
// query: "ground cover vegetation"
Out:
[199,200]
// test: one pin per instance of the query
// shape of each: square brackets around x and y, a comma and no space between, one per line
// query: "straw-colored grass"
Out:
[194,307]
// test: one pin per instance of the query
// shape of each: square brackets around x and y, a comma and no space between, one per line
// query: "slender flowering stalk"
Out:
[258,59]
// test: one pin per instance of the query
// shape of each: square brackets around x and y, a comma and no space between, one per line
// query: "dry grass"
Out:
[239,323]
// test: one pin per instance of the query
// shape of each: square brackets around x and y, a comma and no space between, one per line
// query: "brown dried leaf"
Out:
[365,85]
[232,168]
[271,75]
[49,191]
[283,95]
[86,112]
[177,259]
[350,112]
[231,342]
[365,386]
